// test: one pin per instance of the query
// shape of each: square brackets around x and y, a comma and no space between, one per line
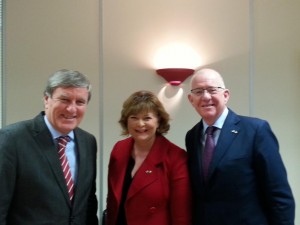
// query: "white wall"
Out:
[254,44]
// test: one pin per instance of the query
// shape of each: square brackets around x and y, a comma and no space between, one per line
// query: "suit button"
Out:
[152,209]
[71,220]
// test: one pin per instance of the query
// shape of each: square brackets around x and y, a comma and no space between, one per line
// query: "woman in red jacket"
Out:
[148,181]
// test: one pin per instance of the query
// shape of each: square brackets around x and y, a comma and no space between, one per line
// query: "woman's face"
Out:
[142,126]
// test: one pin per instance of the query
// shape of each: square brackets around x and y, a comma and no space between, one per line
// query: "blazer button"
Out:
[152,209]
[71,220]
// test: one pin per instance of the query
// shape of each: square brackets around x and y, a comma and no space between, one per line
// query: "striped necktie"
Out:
[62,143]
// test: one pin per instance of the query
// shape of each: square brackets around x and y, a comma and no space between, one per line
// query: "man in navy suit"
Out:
[33,188]
[247,181]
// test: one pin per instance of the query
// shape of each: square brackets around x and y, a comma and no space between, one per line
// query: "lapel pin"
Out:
[234,131]
[148,171]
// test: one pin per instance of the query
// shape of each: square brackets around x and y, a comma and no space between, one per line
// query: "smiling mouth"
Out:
[141,131]
[207,106]
[69,117]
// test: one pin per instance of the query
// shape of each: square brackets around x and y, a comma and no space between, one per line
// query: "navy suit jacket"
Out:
[247,182]
[32,185]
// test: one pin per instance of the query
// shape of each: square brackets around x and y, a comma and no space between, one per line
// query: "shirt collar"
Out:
[55,134]
[219,122]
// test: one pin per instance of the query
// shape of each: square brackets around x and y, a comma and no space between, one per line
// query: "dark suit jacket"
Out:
[160,190]
[32,184]
[247,179]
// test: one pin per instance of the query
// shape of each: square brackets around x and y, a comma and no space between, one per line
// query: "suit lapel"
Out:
[228,133]
[87,165]
[48,148]
[81,162]
[149,170]
[118,166]
[146,175]
[197,150]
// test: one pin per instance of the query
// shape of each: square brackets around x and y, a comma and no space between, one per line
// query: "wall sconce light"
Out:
[175,76]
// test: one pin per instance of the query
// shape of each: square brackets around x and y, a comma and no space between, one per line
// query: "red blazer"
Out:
[160,190]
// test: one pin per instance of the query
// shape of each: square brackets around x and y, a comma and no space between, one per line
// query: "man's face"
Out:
[209,98]
[66,108]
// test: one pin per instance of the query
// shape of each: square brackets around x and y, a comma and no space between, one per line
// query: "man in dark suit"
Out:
[33,187]
[246,182]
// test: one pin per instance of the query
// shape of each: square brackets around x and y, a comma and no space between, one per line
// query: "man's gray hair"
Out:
[67,78]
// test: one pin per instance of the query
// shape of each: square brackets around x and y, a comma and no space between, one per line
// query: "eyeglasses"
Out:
[210,90]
